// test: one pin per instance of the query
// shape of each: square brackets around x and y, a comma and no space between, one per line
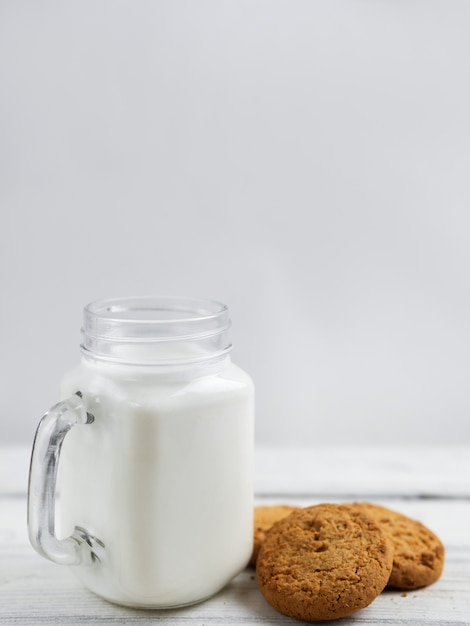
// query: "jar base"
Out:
[153,607]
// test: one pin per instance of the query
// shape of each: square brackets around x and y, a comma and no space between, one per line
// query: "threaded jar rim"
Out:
[155,329]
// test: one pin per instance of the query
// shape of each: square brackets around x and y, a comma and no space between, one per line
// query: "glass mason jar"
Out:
[155,438]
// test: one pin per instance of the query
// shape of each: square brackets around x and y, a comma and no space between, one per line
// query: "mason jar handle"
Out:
[80,547]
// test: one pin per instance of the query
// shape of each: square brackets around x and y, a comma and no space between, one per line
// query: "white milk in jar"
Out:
[156,474]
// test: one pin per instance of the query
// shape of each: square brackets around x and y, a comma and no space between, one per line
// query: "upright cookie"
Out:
[323,562]
[418,554]
[264,518]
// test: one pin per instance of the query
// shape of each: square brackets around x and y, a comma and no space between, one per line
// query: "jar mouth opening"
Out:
[156,309]
[155,329]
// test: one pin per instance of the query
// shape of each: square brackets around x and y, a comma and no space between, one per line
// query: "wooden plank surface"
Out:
[34,591]
[375,470]
[368,470]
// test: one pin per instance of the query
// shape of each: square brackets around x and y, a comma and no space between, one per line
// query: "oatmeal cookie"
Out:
[324,562]
[418,557]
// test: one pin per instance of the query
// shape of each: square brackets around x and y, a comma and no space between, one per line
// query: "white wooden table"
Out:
[431,484]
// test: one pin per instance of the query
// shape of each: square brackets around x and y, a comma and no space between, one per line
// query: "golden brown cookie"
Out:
[323,562]
[265,516]
[418,554]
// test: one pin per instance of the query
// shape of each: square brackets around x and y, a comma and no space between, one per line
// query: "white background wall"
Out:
[305,162]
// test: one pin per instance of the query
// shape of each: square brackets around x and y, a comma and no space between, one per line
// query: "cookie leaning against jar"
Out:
[418,554]
[324,562]
[264,518]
